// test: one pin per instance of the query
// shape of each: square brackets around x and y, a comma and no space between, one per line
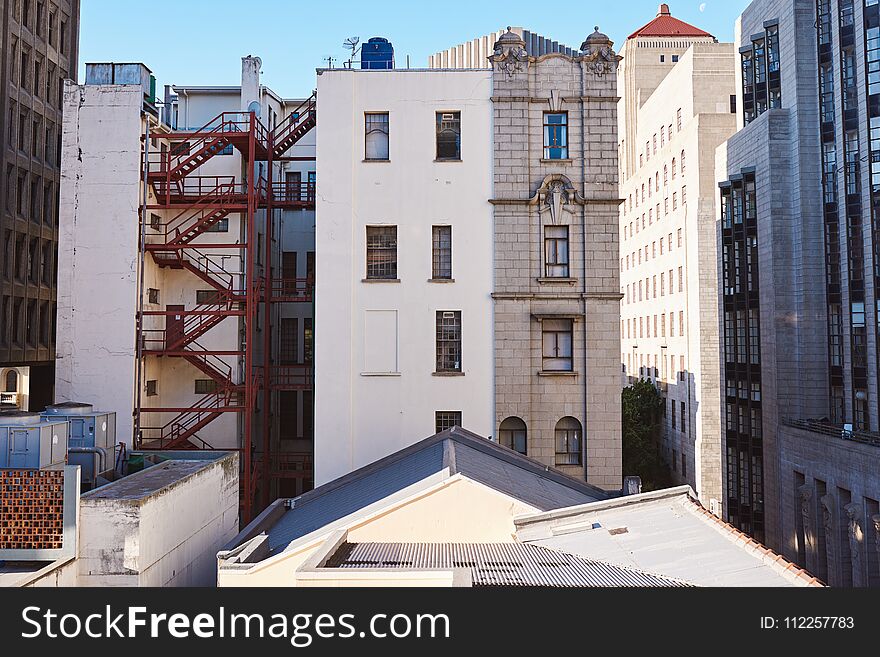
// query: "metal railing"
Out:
[834,430]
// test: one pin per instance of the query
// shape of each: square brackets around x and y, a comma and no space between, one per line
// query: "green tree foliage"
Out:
[642,414]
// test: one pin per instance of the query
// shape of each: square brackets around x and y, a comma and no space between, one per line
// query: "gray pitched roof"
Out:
[496,564]
[459,450]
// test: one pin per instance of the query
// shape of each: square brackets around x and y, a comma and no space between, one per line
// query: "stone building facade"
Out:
[798,254]
[40,46]
[556,289]
[669,314]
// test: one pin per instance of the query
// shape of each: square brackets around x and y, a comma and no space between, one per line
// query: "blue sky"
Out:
[202,41]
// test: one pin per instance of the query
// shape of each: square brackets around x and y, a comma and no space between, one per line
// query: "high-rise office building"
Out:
[799,280]
[40,41]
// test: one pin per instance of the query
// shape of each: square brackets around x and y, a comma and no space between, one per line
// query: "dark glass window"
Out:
[444,420]
[441,253]
[556,252]
[448,135]
[513,434]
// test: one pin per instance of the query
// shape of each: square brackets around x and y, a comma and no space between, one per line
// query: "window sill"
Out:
[441,281]
[557,281]
[380,280]
[555,161]
[448,159]
[551,373]
[366,161]
[444,374]
[392,374]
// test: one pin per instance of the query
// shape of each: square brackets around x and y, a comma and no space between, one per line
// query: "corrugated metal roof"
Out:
[665,532]
[461,451]
[497,564]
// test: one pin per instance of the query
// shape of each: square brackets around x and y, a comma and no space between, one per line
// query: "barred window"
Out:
[556,251]
[382,252]
[448,341]
[557,345]
[444,420]
[448,135]
[441,254]
[376,136]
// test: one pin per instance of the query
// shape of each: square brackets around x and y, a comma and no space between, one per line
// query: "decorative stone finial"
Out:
[598,53]
[510,53]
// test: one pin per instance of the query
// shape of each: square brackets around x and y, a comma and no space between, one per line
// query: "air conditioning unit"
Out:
[715,507]
[9,398]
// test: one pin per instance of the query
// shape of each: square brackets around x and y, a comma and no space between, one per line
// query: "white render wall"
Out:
[98,248]
[362,416]
[701,84]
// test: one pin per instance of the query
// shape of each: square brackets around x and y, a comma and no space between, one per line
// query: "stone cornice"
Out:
[544,296]
[565,99]
[526,201]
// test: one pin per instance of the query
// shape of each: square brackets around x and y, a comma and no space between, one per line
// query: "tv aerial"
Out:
[351,43]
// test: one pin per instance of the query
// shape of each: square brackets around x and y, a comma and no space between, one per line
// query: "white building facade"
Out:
[404,279]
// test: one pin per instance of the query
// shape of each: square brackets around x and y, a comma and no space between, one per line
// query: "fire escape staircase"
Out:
[295,127]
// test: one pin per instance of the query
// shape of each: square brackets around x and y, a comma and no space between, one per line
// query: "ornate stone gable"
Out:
[510,54]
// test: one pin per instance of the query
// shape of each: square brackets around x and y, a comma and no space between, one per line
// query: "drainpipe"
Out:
[691,434]
[139,320]
[584,266]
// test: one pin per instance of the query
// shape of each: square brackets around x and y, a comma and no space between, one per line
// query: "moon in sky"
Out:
[702,7]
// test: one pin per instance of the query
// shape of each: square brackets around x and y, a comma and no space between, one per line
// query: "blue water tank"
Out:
[377,53]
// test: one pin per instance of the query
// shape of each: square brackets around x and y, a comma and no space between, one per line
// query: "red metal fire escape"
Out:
[196,204]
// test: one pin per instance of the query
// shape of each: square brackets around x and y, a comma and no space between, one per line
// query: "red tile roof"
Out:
[666,25]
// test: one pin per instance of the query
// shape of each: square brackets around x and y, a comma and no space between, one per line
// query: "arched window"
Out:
[673,168]
[568,441]
[513,434]
[11,381]
[682,163]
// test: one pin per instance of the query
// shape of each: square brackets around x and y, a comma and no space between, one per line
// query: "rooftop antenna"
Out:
[330,61]
[351,43]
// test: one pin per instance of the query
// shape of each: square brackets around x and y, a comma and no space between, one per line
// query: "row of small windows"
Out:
[665,133]
[29,197]
[26,322]
[567,435]
[27,260]
[649,372]
[33,135]
[653,185]
[636,329]
[652,253]
[377,135]
[761,76]
[633,291]
[382,255]
[51,25]
[36,76]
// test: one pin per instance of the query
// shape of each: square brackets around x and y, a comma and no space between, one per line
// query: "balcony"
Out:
[843,432]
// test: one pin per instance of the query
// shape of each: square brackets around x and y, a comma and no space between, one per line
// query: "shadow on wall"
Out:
[659,441]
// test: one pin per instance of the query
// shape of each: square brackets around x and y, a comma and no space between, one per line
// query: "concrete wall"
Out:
[363,415]
[168,537]
[98,248]
[829,492]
